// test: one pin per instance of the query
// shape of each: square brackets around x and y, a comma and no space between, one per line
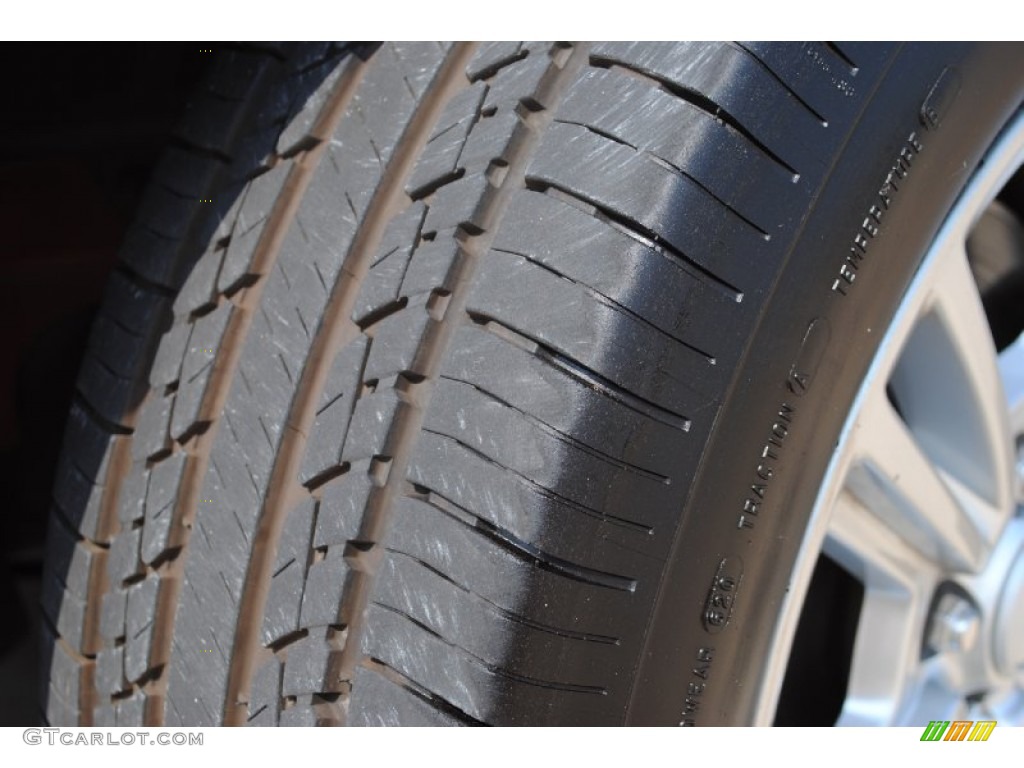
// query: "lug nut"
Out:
[954,625]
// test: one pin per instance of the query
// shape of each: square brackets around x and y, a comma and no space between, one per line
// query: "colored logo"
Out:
[958,730]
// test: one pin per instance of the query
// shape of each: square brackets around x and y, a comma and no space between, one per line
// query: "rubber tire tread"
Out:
[372,442]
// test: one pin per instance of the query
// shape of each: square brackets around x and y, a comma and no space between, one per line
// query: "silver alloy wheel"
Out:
[921,501]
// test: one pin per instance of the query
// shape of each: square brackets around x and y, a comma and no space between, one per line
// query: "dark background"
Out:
[81,128]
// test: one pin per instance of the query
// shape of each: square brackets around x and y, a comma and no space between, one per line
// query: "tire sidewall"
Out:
[780,436]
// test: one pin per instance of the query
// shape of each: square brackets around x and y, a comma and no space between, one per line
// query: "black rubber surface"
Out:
[406,425]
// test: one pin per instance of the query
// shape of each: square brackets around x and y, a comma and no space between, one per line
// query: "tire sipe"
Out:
[459,384]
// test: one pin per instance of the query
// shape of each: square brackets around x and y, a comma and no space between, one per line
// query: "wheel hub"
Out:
[1008,634]
[972,647]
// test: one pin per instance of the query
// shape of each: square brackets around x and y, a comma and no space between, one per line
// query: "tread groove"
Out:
[542,490]
[524,551]
[110,427]
[841,55]
[423,694]
[611,303]
[581,373]
[698,100]
[775,76]
[493,668]
[510,615]
[636,231]
[565,438]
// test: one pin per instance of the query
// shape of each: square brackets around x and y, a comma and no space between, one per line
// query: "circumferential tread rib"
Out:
[137,305]
[293,283]
[365,240]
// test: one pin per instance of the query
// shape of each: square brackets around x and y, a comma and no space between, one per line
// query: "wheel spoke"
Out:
[894,478]
[949,392]
[896,580]
[1011,370]
[870,548]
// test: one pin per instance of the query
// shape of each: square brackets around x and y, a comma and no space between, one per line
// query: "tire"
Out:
[434,382]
